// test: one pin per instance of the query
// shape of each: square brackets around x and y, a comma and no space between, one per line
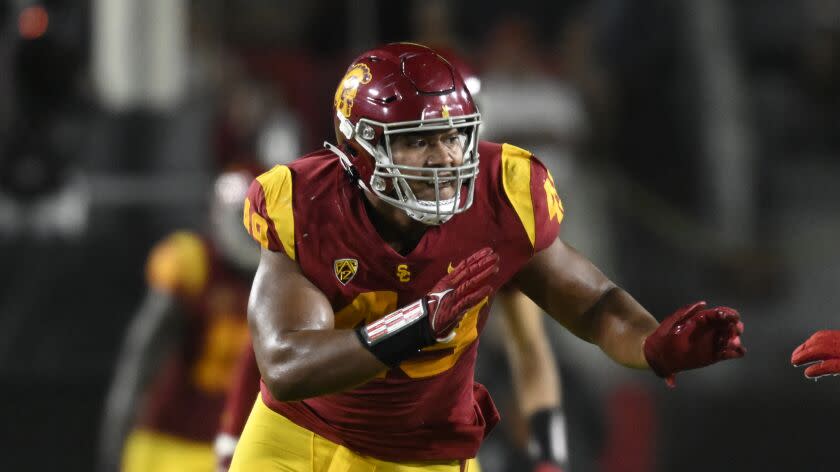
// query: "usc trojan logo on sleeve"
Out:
[345,269]
[347,89]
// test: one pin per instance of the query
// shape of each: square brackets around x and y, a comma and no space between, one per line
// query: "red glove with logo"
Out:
[823,350]
[458,290]
[432,318]
[694,336]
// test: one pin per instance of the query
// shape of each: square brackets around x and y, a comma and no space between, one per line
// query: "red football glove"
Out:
[694,336]
[823,347]
[433,318]
[458,290]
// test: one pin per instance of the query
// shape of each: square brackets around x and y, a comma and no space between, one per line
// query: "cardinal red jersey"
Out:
[187,396]
[429,407]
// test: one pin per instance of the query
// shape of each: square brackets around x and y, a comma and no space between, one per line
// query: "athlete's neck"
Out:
[397,229]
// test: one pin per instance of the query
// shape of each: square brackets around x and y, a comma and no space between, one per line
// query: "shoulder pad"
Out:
[530,189]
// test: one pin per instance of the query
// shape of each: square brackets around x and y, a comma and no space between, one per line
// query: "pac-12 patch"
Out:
[345,269]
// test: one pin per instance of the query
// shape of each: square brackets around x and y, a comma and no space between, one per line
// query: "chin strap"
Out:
[348,166]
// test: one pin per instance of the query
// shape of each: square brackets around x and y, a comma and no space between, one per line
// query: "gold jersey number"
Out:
[370,306]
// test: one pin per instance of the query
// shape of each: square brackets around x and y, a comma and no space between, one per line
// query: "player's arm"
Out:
[298,351]
[150,336]
[535,379]
[574,292]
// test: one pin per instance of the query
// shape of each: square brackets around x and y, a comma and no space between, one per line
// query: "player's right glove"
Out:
[694,336]
[823,349]
[434,317]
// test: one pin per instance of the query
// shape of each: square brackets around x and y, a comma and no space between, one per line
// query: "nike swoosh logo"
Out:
[450,268]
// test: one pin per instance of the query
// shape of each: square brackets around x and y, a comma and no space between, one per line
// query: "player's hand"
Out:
[459,290]
[694,336]
[433,318]
[822,350]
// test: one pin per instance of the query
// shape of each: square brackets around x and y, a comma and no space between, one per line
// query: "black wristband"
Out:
[398,335]
[548,436]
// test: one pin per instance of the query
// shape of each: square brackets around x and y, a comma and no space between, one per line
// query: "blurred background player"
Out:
[181,348]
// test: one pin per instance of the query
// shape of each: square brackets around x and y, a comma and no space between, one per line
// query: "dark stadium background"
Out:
[700,158]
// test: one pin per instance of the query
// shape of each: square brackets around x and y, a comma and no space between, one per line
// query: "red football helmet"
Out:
[470,76]
[405,88]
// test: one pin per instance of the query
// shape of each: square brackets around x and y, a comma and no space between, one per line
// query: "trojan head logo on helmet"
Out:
[406,88]
[359,74]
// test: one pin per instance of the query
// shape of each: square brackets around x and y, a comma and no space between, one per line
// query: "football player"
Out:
[822,350]
[380,258]
[533,367]
[170,381]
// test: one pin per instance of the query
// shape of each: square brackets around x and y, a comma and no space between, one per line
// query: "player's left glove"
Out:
[823,349]
[694,336]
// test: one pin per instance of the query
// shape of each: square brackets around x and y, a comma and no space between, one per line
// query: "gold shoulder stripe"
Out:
[516,180]
[277,187]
